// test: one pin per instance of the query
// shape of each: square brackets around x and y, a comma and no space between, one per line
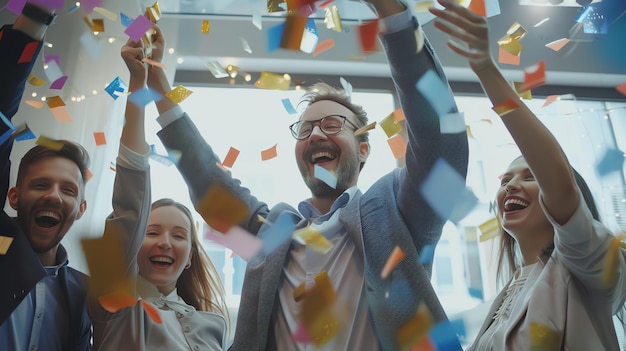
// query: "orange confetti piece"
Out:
[154,63]
[424,344]
[28,52]
[97,25]
[557,44]
[61,114]
[399,115]
[88,175]
[550,99]
[543,338]
[151,311]
[507,58]
[55,101]
[206,26]
[415,329]
[396,256]
[397,145]
[293,31]
[368,34]
[116,301]
[231,157]
[5,243]
[365,129]
[621,88]
[221,209]
[99,138]
[478,7]
[269,153]
[324,46]
[535,76]
[34,103]
[505,107]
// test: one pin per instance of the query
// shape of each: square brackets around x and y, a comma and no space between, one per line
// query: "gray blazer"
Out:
[392,212]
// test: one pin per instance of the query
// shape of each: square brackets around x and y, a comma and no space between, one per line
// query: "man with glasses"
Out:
[362,228]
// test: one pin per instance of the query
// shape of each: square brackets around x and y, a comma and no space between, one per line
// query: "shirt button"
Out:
[196,348]
[39,315]
[187,329]
[179,315]
[33,348]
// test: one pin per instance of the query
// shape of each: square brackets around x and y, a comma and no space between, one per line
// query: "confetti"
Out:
[550,99]
[245,45]
[524,94]
[106,13]
[116,88]
[99,138]
[452,123]
[505,107]
[216,69]
[396,256]
[507,58]
[221,209]
[144,96]
[333,19]
[279,232]
[445,334]
[274,37]
[29,52]
[5,244]
[368,34]
[97,25]
[423,5]
[116,301]
[153,13]
[621,88]
[415,329]
[543,338]
[244,244]
[55,101]
[478,7]
[612,161]
[59,83]
[231,157]
[558,44]
[397,145]
[33,80]
[313,239]
[138,27]
[326,176]
[365,129]
[324,46]
[151,311]
[611,263]
[269,80]
[347,87]
[427,254]
[179,94]
[534,76]
[293,30]
[206,27]
[257,20]
[317,311]
[489,229]
[390,125]
[436,92]
[288,106]
[35,103]
[269,154]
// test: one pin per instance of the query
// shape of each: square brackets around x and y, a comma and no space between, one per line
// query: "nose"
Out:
[53,194]
[512,185]
[164,241]
[316,133]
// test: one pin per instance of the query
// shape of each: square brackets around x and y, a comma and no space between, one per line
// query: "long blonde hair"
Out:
[199,285]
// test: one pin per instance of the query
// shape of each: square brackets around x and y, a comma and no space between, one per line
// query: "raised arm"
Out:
[539,147]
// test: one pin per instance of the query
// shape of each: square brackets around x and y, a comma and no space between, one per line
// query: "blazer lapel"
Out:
[520,309]
[492,310]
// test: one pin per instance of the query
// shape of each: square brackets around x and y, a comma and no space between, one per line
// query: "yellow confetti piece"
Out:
[313,239]
[269,80]
[33,80]
[609,276]
[365,129]
[468,130]
[154,13]
[396,256]
[505,107]
[489,229]
[390,125]
[106,13]
[5,243]
[274,6]
[333,19]
[179,94]
[511,46]
[317,311]
[97,25]
[415,329]
[516,31]
[206,26]
[423,5]
[55,101]
[49,143]
[543,338]
[524,94]
[221,209]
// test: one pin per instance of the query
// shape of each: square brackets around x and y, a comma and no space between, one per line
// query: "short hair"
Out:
[321,91]
[70,150]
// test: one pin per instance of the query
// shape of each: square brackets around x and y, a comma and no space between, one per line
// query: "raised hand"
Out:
[158,44]
[470,28]
[133,54]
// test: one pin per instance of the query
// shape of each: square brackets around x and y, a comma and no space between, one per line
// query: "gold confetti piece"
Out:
[390,125]
[154,13]
[423,5]
[274,6]
[415,329]
[49,143]
[489,229]
[97,25]
[154,63]
[34,103]
[221,209]
[511,46]
[206,26]
[505,107]
[317,311]
[396,256]
[332,19]
[106,13]
[524,94]
[33,80]
[269,80]
[179,94]
[313,239]
[299,292]
[365,129]
[516,31]
[88,20]
[609,276]
[543,338]
[55,101]
[5,243]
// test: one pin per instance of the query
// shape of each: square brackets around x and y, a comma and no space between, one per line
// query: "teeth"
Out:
[321,154]
[48,214]
[516,202]
[162,259]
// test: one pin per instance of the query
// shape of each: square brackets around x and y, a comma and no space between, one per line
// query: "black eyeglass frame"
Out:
[344,119]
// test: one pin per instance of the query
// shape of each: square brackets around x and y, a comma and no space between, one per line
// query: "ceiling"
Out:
[589,60]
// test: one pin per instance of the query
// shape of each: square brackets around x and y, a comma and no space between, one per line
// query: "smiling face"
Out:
[166,249]
[341,153]
[518,202]
[48,199]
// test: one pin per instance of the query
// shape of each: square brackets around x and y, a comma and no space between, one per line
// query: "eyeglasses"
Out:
[330,125]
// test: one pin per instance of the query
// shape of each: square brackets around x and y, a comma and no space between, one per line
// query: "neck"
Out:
[48,258]
[323,204]
[532,248]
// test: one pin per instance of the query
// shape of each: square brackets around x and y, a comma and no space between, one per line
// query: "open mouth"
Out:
[515,205]
[163,261]
[47,219]
[322,156]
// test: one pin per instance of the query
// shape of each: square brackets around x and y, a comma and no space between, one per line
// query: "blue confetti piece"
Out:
[73,8]
[445,335]
[476,293]
[25,135]
[274,36]
[125,20]
[288,106]
[325,176]
[427,255]
[452,123]
[6,121]
[279,232]
[144,96]
[436,92]
[5,136]
[582,15]
[444,190]
[613,160]
[117,85]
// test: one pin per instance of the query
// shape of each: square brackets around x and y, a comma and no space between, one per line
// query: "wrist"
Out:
[39,14]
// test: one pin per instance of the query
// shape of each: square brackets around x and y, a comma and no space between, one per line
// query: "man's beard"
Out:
[346,173]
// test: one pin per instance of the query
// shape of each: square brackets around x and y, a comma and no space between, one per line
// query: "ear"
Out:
[13,197]
[364,151]
[81,209]
[190,257]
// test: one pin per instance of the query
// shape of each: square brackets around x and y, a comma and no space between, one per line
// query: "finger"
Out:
[476,28]
[462,11]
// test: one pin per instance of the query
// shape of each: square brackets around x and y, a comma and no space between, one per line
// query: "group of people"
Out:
[553,244]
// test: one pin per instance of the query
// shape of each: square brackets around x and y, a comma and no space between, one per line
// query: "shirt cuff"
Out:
[170,116]
[130,159]
[396,23]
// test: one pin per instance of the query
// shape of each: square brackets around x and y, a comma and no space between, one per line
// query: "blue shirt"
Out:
[41,320]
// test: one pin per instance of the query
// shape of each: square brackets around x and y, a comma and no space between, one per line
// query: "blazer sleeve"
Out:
[17,58]
[198,165]
[426,144]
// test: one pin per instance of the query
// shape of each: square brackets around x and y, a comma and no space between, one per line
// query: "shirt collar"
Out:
[309,211]
[61,260]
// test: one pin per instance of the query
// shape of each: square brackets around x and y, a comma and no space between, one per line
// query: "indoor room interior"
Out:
[580,103]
